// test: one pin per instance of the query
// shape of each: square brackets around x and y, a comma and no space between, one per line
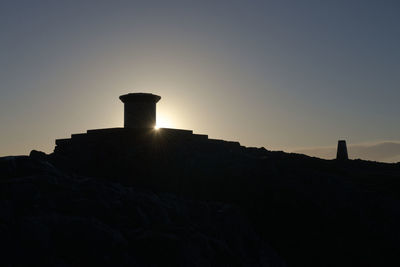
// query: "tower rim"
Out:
[139,97]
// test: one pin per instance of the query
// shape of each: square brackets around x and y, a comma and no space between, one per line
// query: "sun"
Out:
[162,122]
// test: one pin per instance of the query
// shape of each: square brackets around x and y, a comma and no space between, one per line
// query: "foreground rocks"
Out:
[49,218]
[185,204]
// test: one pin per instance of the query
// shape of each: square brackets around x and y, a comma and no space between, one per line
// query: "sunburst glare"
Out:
[163,122]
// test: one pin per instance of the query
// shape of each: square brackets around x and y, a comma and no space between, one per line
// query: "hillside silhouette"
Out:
[143,197]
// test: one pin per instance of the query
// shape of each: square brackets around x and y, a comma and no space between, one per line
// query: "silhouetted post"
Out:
[139,110]
[342,151]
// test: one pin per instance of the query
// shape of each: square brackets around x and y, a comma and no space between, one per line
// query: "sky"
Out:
[284,75]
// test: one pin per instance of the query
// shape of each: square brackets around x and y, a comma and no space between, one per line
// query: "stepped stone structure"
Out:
[342,151]
[138,145]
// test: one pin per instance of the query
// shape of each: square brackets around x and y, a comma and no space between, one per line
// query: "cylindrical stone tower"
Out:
[139,110]
[342,150]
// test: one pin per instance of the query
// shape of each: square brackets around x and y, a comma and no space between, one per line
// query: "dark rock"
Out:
[196,204]
[38,155]
[74,221]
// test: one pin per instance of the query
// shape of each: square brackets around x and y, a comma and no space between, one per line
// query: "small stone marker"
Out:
[342,151]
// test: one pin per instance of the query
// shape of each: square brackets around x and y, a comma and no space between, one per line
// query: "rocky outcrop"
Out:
[184,202]
[49,218]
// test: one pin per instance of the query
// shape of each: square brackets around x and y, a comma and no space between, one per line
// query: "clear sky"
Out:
[280,74]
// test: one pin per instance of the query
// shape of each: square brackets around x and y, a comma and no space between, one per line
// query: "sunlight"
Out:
[163,122]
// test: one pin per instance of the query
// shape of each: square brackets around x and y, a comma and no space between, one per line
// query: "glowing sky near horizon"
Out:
[279,74]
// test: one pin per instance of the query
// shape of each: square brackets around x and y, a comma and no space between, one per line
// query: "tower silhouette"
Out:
[139,110]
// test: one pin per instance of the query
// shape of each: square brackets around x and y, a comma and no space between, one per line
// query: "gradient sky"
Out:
[279,74]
